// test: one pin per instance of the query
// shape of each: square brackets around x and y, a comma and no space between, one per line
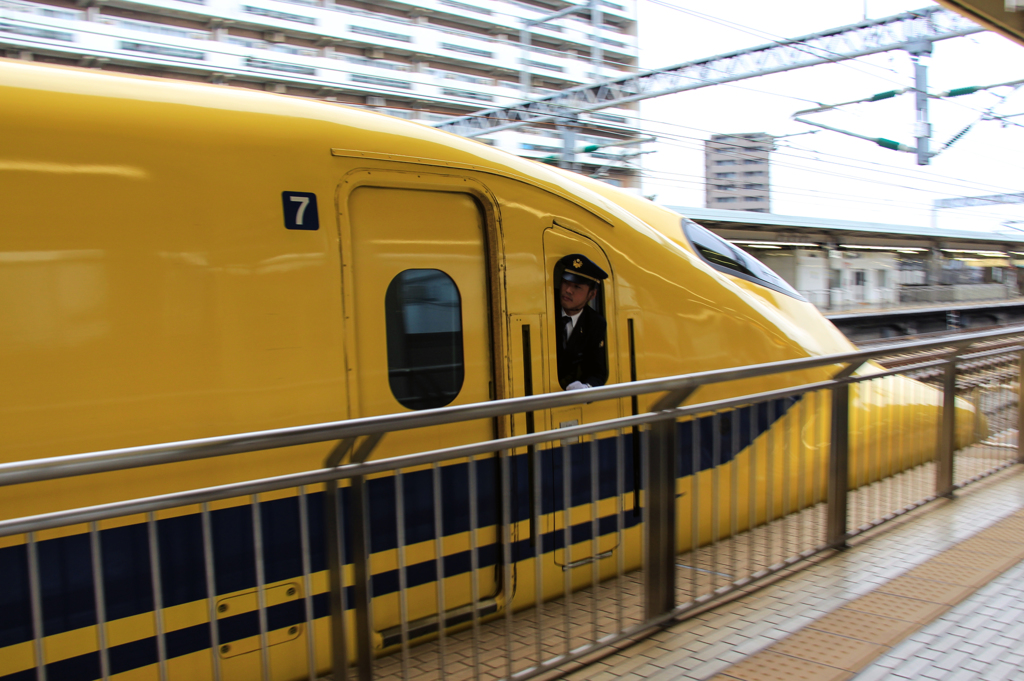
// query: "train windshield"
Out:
[727,258]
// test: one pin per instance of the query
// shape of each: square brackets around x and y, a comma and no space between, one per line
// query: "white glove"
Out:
[576,385]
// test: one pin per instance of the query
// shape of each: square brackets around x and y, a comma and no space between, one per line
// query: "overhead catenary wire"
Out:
[909,173]
[750,30]
[568,115]
[800,116]
[698,180]
[881,141]
[953,181]
[886,143]
[697,142]
[881,174]
[805,195]
[660,178]
[853,64]
[801,194]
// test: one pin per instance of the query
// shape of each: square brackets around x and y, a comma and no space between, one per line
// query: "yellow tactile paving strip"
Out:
[837,646]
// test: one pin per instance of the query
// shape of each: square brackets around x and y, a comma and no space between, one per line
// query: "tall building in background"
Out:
[425,60]
[737,172]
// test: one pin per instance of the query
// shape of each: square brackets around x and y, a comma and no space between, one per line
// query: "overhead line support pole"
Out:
[919,52]
[568,158]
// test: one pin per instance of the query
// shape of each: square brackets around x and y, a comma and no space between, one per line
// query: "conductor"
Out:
[582,358]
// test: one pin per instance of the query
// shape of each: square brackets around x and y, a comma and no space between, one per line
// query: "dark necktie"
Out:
[567,320]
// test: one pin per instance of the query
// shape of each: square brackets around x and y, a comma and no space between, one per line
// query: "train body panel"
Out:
[183,261]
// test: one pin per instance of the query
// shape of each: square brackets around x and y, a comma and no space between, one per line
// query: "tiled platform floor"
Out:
[981,638]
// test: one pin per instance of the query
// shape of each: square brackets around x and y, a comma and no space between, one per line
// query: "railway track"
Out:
[985,364]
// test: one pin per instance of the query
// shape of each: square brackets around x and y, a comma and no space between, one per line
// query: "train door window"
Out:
[859,277]
[423,319]
[582,354]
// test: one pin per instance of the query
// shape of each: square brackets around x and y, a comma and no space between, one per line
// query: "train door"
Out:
[418,314]
[570,499]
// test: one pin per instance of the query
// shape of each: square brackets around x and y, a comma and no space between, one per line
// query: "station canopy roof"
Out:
[1001,16]
[830,233]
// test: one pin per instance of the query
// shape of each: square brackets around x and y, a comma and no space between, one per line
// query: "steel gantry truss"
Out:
[992,199]
[838,44]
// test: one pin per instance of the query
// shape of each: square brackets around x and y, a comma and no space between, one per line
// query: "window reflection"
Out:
[423,317]
[725,257]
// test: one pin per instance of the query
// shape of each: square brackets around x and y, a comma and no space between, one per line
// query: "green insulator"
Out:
[888,144]
[956,92]
[591,147]
[884,95]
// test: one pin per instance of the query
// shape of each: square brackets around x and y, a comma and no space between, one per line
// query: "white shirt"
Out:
[573,317]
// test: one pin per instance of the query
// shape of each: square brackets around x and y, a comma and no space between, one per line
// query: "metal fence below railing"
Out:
[499,559]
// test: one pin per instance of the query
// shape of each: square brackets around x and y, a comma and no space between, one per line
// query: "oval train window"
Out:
[423,318]
[727,258]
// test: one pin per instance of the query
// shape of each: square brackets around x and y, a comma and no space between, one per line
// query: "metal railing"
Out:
[510,557]
[956,293]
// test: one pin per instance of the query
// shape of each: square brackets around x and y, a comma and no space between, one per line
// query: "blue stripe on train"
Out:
[196,638]
[717,439]
[66,570]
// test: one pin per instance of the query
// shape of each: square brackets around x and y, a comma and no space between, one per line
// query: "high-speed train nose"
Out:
[896,424]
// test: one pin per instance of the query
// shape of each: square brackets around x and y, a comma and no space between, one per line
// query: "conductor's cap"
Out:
[580,269]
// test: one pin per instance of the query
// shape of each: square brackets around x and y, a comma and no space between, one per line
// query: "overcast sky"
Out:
[827,174]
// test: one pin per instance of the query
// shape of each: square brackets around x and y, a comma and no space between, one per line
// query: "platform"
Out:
[922,308]
[935,595]
[880,322]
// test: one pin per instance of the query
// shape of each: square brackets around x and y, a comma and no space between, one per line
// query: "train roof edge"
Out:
[378,134]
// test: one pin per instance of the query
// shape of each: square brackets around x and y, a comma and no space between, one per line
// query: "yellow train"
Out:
[180,261]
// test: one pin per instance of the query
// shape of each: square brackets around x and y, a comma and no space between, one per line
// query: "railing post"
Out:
[839,468]
[335,565]
[976,399]
[1020,407]
[660,521]
[363,589]
[358,519]
[947,432]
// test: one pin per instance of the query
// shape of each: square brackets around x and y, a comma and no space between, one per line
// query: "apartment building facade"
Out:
[737,172]
[425,60]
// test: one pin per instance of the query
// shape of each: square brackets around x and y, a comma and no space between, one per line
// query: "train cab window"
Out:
[582,353]
[727,258]
[423,321]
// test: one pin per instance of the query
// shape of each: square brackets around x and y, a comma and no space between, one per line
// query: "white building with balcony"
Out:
[425,60]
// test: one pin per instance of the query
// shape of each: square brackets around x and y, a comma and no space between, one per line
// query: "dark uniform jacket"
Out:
[584,358]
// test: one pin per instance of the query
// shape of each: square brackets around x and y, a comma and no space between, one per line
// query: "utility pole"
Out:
[919,53]
[568,130]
